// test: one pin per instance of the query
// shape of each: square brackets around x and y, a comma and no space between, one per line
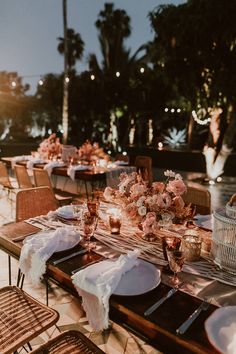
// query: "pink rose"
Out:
[177,187]
[164,201]
[137,189]
[158,187]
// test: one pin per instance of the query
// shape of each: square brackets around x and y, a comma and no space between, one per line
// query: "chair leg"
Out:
[86,189]
[29,345]
[20,279]
[46,288]
[9,269]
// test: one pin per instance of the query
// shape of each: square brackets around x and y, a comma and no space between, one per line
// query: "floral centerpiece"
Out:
[49,147]
[147,204]
[91,152]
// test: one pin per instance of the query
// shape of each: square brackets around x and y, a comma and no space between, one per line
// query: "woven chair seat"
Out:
[22,318]
[70,342]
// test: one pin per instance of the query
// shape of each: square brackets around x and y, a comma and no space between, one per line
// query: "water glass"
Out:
[176,261]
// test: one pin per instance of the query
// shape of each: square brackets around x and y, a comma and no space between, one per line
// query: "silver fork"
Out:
[186,324]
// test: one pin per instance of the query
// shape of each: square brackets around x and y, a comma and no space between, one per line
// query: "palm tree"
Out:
[75,47]
[72,47]
[118,64]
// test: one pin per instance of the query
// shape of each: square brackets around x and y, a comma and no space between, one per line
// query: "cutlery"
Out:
[186,324]
[83,251]
[157,304]
[84,266]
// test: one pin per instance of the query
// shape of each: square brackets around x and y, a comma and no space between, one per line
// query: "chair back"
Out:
[69,342]
[41,178]
[121,157]
[200,198]
[33,202]
[4,177]
[22,177]
[144,166]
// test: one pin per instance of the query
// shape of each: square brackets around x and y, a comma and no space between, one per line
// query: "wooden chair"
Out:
[22,318]
[42,178]
[144,166]
[22,177]
[121,157]
[9,185]
[69,342]
[200,198]
[33,202]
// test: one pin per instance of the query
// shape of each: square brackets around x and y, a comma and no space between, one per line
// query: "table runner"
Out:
[131,238]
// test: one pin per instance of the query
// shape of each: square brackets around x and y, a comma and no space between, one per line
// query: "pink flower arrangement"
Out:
[49,147]
[144,203]
[91,152]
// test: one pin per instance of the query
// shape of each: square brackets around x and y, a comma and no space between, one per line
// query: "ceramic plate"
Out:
[66,212]
[139,280]
[204,221]
[221,329]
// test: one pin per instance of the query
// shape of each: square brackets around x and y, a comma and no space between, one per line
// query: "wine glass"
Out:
[89,224]
[176,261]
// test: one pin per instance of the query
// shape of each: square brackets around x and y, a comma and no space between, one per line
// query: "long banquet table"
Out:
[159,328]
[90,177]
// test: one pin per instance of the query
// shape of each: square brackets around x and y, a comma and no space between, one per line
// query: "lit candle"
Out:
[115,224]
[191,246]
[115,221]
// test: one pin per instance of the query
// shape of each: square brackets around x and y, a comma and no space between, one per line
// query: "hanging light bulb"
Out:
[142,70]
[117,74]
[92,77]
[67,79]
[40,82]
[13,84]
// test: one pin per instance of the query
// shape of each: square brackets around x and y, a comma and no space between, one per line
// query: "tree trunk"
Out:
[65,118]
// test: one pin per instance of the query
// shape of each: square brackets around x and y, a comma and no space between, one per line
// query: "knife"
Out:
[157,304]
[83,251]
[186,324]
[84,266]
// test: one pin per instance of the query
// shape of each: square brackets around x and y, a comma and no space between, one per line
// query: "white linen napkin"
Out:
[50,166]
[37,249]
[97,282]
[16,159]
[73,168]
[33,161]
[228,336]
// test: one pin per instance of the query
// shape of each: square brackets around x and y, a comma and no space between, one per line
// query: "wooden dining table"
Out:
[158,329]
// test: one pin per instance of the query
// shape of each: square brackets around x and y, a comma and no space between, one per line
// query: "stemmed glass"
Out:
[89,224]
[176,261]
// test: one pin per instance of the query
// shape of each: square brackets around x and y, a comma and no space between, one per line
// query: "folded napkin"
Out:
[18,159]
[228,335]
[33,161]
[38,248]
[73,168]
[97,282]
[51,165]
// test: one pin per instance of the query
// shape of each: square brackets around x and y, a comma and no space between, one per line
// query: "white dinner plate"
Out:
[66,212]
[139,280]
[204,221]
[221,329]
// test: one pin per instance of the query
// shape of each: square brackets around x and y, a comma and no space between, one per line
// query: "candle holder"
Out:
[115,224]
[191,246]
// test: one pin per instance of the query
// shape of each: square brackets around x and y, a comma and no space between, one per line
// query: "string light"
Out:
[142,70]
[200,121]
[67,79]
[166,110]
[13,84]
[117,74]
[40,82]
[172,110]
[92,77]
